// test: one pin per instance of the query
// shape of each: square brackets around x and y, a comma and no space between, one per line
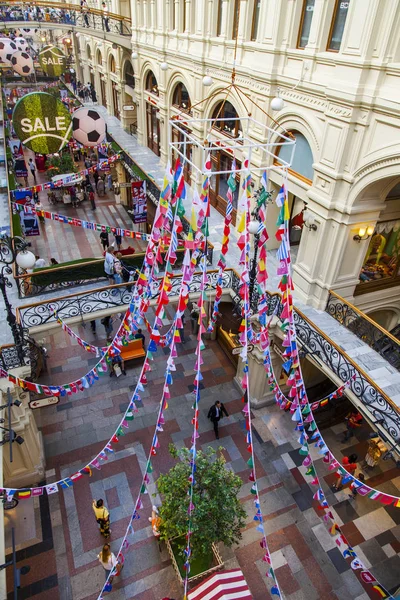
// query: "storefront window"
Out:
[151,83]
[225,115]
[221,161]
[181,98]
[382,260]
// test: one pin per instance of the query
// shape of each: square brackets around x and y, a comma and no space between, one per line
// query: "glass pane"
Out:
[256,18]
[383,253]
[219,21]
[306,24]
[302,163]
[338,26]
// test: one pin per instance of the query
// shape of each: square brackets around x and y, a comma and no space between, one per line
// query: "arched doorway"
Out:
[228,124]
[182,103]
[152,122]
[301,169]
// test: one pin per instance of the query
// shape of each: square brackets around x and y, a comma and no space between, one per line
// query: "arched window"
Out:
[99,59]
[112,64]
[129,74]
[88,52]
[151,83]
[302,164]
[226,122]
[181,98]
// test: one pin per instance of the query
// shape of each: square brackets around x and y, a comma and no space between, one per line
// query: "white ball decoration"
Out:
[7,49]
[164,66]
[135,55]
[88,127]
[22,63]
[277,104]
[207,80]
[21,43]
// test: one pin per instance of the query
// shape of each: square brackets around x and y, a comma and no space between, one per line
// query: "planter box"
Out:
[215,559]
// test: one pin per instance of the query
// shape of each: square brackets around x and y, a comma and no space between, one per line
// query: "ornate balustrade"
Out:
[64,14]
[364,328]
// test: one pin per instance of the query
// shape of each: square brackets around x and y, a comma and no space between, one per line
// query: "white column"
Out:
[28,464]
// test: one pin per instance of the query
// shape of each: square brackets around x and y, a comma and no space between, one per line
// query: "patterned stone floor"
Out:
[62,545]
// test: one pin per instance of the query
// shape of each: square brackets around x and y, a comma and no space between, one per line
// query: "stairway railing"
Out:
[367,330]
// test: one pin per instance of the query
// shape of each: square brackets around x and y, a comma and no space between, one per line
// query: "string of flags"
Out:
[285,403]
[68,178]
[246,335]
[97,350]
[301,409]
[33,210]
[128,326]
[188,272]
[199,220]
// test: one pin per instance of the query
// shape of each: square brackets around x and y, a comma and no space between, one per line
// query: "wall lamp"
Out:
[364,233]
[309,220]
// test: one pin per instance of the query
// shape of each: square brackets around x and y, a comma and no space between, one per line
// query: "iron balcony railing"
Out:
[382,410]
[367,330]
[62,13]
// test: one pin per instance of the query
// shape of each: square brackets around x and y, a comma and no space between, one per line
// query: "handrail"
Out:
[92,291]
[348,358]
[365,316]
[62,268]
[367,330]
[64,6]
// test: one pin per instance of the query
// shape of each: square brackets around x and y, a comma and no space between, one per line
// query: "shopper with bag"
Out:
[107,559]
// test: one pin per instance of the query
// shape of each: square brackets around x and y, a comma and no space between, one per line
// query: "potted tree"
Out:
[218,516]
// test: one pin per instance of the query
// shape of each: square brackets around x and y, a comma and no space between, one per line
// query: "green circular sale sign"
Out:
[53,61]
[42,122]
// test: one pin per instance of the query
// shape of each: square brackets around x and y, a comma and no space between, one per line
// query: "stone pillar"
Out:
[28,466]
[260,394]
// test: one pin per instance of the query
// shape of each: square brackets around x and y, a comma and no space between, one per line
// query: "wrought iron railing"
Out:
[61,13]
[378,338]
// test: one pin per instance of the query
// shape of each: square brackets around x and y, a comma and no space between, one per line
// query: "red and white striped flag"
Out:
[227,585]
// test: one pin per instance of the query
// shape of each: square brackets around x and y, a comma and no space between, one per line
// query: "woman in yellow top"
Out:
[102,517]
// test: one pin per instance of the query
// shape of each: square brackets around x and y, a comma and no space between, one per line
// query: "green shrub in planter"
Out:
[218,515]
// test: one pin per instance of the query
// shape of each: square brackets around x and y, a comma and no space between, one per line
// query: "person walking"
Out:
[350,464]
[93,205]
[107,559]
[117,268]
[118,241]
[102,517]
[216,412]
[353,421]
[354,486]
[108,326]
[32,168]
[109,264]
[105,242]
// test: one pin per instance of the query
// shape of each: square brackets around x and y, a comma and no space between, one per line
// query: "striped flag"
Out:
[227,585]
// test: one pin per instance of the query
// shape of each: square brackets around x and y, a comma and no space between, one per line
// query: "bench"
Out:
[134,349]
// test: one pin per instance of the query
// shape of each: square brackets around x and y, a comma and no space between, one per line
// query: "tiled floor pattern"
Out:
[308,564]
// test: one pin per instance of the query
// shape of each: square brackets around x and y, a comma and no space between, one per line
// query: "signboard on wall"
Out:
[139,201]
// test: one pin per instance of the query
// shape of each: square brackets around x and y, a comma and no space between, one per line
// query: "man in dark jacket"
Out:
[216,412]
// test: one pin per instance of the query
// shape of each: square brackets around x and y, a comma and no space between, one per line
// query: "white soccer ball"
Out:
[7,49]
[88,127]
[22,63]
[21,44]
